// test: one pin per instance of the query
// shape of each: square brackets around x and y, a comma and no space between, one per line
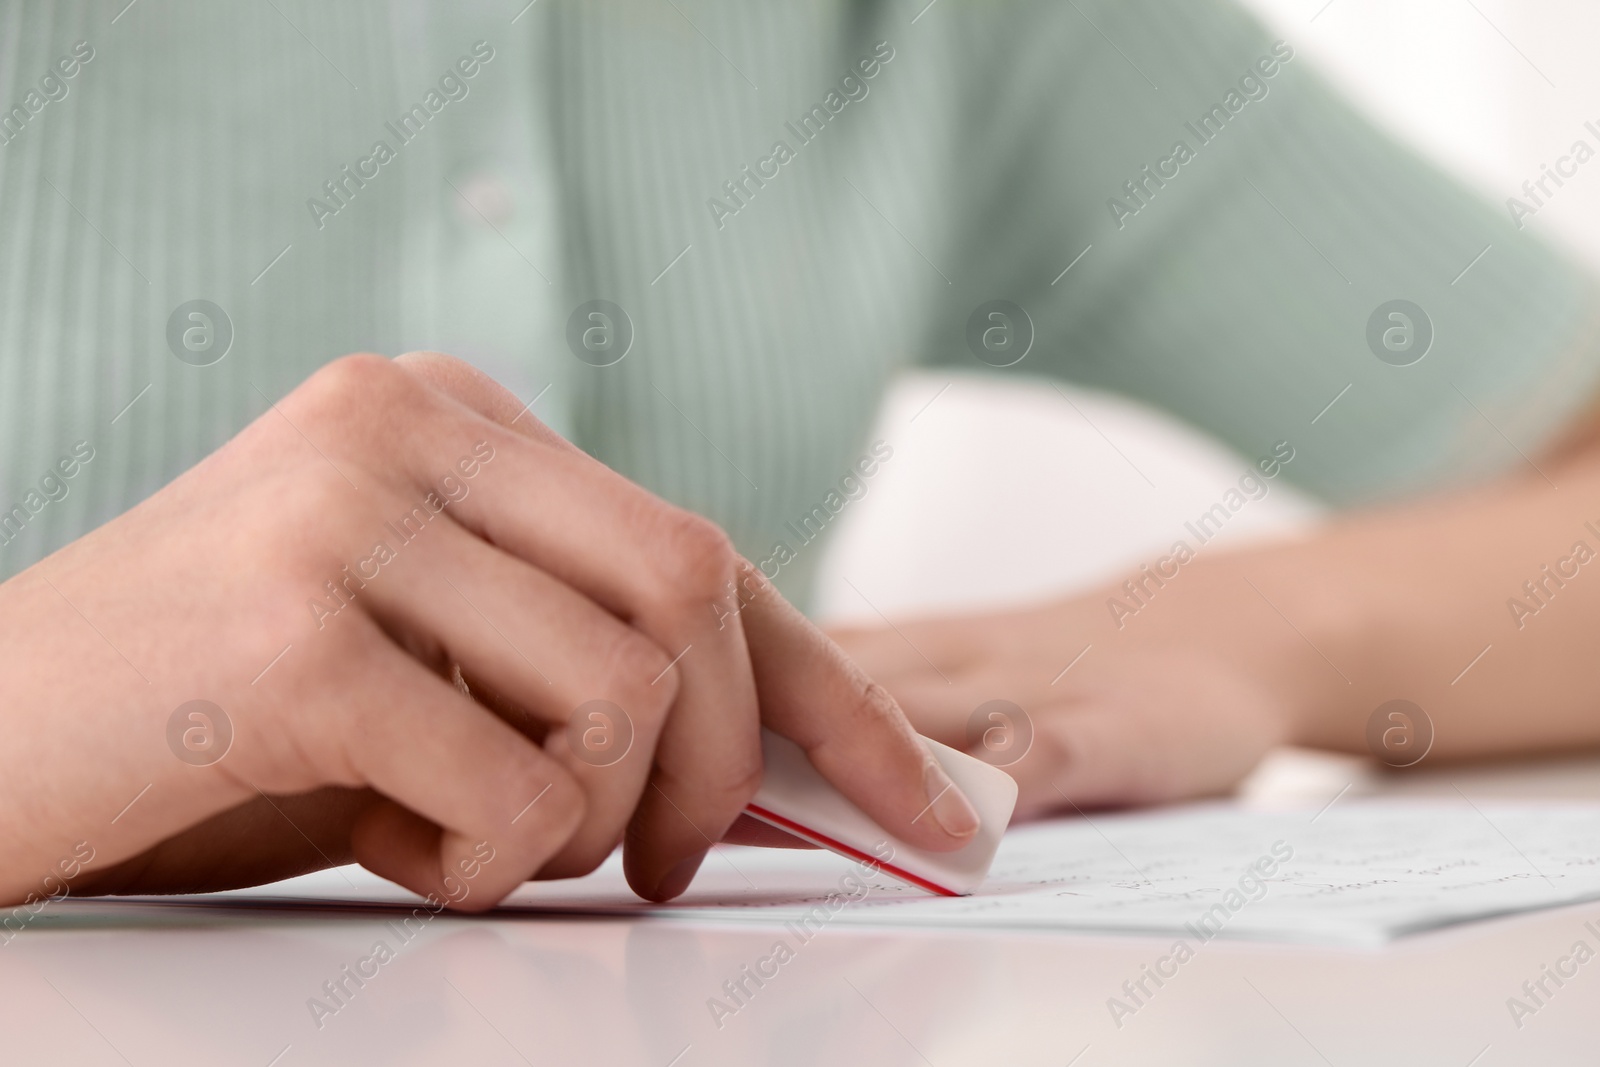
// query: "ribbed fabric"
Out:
[582,164]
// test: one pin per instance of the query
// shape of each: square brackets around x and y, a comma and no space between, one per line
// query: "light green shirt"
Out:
[790,200]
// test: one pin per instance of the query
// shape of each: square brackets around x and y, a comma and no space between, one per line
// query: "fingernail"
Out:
[950,807]
[678,879]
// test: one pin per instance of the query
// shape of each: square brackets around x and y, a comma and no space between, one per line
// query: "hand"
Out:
[322,578]
[1179,702]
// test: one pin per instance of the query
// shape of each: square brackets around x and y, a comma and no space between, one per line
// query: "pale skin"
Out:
[1296,642]
[551,583]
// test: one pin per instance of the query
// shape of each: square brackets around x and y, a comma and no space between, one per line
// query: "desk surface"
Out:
[103,983]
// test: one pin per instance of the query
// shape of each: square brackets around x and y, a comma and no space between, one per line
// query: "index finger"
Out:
[851,729]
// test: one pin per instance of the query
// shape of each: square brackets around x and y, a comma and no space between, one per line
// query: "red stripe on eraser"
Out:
[834,845]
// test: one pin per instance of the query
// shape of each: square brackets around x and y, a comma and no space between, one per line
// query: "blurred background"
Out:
[1064,488]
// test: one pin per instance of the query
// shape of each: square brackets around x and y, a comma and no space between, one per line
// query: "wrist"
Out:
[91,776]
[1302,627]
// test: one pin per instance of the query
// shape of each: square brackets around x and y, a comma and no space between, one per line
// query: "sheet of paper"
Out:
[1358,872]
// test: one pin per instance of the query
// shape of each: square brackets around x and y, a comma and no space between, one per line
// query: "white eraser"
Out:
[795,798]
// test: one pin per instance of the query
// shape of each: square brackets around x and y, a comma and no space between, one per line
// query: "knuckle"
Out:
[751,574]
[422,357]
[873,710]
[721,790]
[640,675]
[746,775]
[752,583]
[354,385]
[739,781]
[355,373]
[560,805]
[871,719]
[876,702]
[702,555]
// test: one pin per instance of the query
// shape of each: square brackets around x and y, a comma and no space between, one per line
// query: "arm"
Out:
[1404,599]
[1293,642]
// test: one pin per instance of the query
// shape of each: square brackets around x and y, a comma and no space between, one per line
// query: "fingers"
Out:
[663,570]
[470,386]
[1196,729]
[1086,758]
[1099,746]
[1098,755]
[708,761]
[473,807]
[938,708]
[851,729]
[544,650]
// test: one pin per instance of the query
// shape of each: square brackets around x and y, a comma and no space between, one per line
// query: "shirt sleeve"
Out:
[1249,253]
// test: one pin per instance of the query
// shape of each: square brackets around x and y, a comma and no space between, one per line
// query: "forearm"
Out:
[1174,678]
[1481,607]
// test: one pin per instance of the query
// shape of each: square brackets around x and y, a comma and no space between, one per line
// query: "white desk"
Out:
[120,984]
